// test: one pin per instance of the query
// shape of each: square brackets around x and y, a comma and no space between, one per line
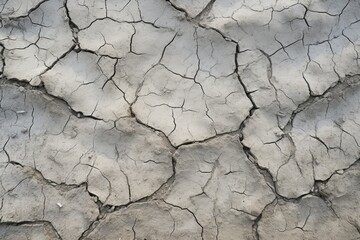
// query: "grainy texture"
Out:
[179,119]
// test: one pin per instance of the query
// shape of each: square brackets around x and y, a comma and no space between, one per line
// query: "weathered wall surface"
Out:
[179,119]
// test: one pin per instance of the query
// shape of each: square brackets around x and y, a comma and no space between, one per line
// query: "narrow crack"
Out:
[193,214]
[8,223]
[41,88]
[258,218]
[205,11]
[336,89]
[167,186]
[27,14]
[106,209]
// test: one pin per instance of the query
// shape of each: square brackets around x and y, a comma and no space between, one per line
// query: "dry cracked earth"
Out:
[180,119]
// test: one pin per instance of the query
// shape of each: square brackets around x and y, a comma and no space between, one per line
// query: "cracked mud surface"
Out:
[179,119]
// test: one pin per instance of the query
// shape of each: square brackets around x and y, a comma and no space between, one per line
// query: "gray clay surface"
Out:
[179,119]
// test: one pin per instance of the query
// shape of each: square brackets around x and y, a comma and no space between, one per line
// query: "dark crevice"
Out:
[205,11]
[27,14]
[41,88]
[8,223]
[248,94]
[179,9]
[108,209]
[257,220]
[269,179]
[337,88]
[74,28]
[39,176]
[2,58]
[193,214]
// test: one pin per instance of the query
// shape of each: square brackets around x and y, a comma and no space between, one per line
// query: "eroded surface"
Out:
[169,119]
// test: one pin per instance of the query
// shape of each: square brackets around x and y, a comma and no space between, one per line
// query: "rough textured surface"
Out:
[69,150]
[343,192]
[24,231]
[179,119]
[221,186]
[148,221]
[309,218]
[28,197]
